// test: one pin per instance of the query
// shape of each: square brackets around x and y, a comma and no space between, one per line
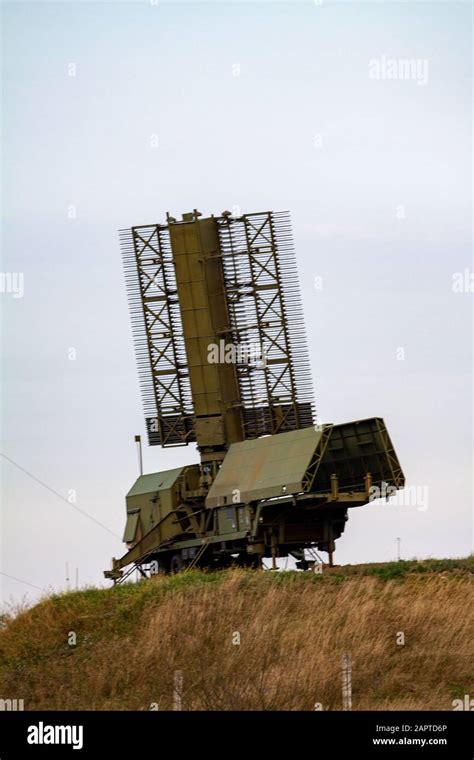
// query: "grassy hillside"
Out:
[293,628]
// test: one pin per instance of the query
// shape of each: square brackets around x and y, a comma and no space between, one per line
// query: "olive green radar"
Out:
[223,364]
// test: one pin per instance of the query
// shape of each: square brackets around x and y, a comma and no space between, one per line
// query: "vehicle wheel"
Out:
[248,561]
[176,564]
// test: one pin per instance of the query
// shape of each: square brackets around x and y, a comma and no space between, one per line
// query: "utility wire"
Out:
[60,496]
[27,583]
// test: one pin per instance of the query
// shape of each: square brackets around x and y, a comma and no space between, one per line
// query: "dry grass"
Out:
[293,630]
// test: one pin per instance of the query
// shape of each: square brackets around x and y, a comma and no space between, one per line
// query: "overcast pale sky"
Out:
[254,106]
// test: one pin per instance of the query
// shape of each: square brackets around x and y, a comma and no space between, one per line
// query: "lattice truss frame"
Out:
[158,334]
[265,312]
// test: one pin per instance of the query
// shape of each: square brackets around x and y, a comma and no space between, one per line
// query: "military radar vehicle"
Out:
[223,364]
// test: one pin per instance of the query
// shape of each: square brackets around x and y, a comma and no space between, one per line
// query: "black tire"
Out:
[251,562]
[176,564]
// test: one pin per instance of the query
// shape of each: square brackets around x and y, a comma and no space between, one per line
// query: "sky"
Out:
[355,117]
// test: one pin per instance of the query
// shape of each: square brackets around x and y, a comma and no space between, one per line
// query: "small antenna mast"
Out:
[138,441]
